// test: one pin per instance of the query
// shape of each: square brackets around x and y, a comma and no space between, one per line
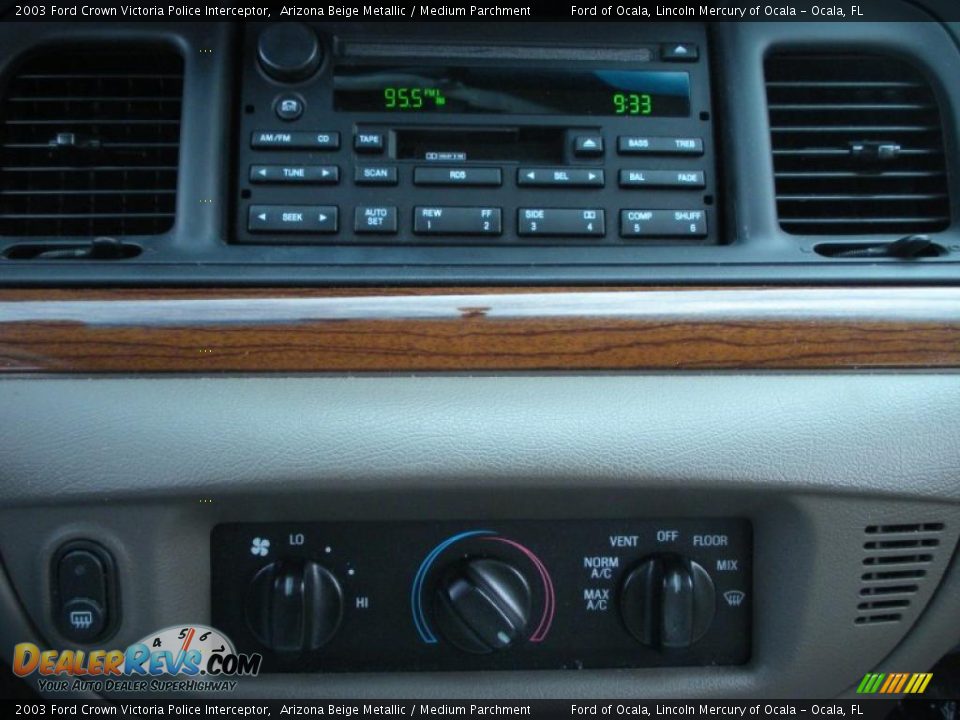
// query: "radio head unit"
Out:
[481,138]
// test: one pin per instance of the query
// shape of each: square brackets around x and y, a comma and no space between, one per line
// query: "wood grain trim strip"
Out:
[473,329]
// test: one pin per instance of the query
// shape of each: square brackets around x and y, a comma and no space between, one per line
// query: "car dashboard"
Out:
[485,359]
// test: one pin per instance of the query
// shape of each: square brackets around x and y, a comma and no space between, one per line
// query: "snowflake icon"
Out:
[261,546]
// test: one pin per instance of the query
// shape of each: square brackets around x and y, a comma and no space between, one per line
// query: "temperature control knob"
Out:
[289,52]
[294,605]
[668,601]
[483,605]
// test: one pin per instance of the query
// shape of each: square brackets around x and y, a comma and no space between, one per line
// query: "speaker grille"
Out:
[895,564]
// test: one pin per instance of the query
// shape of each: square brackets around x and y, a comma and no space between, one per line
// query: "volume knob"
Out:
[483,605]
[668,601]
[289,52]
[294,605]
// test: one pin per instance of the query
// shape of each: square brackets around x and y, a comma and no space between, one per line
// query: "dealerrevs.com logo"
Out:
[184,658]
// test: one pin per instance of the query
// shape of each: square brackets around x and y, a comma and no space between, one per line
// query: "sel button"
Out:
[553,177]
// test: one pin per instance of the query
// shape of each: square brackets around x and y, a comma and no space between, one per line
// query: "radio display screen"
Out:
[511,91]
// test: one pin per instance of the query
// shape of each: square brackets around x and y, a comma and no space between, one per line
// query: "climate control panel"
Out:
[402,596]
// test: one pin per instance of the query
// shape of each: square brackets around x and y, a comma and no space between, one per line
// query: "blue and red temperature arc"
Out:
[539,633]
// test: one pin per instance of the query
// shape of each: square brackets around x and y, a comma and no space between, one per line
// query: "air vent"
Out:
[89,143]
[857,146]
[895,565]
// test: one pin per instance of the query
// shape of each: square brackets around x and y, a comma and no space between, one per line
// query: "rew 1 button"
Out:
[457,221]
[375,219]
[293,219]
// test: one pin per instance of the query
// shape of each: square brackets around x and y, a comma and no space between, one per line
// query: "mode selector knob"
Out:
[668,601]
[294,605]
[482,605]
[289,52]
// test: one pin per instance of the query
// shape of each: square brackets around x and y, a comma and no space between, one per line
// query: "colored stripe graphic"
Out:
[416,599]
[894,683]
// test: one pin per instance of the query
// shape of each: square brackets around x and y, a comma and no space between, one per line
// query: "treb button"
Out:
[642,145]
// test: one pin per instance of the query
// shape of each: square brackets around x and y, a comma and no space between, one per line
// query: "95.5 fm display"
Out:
[514,91]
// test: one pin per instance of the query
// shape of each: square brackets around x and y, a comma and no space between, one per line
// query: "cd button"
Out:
[283,140]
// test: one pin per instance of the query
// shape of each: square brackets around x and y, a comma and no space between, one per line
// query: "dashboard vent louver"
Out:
[89,142]
[857,146]
[895,562]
